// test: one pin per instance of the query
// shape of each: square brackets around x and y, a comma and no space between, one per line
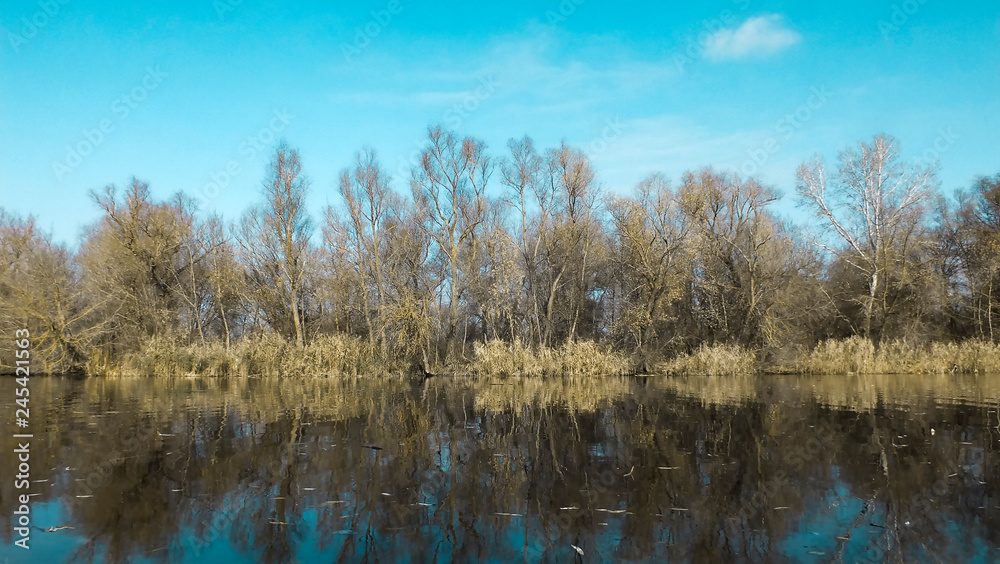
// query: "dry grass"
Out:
[264,355]
[339,355]
[857,355]
[716,360]
[584,358]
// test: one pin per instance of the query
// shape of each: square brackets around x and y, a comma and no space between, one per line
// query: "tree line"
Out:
[525,247]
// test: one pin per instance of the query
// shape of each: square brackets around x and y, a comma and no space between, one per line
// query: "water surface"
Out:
[770,469]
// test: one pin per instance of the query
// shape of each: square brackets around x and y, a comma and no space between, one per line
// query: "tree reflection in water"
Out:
[848,468]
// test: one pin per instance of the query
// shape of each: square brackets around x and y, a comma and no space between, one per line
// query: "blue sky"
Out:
[178,93]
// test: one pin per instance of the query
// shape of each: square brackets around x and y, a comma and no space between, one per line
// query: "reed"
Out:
[712,360]
[857,355]
[267,354]
[583,358]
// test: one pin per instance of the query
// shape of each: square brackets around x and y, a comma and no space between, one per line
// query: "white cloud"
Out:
[756,37]
[541,71]
[671,144]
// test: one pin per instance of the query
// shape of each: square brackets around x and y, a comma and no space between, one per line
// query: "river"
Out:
[849,468]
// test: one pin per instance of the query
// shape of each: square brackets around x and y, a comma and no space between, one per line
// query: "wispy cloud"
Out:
[542,70]
[756,37]
[671,144]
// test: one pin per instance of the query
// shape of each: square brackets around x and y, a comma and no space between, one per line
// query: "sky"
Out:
[193,95]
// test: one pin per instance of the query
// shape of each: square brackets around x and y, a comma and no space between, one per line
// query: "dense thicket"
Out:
[524,247]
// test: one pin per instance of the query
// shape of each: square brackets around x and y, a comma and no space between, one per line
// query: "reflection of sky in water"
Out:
[837,514]
[625,472]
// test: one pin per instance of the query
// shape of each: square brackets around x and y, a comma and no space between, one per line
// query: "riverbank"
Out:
[339,355]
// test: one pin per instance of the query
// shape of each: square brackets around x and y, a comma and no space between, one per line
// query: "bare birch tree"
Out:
[875,203]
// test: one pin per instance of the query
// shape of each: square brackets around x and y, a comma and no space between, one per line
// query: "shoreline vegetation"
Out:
[519,262]
[270,355]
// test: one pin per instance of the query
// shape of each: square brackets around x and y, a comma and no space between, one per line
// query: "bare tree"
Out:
[449,190]
[226,279]
[274,240]
[651,263]
[359,237]
[525,175]
[742,254]
[40,290]
[573,245]
[975,242]
[141,259]
[876,204]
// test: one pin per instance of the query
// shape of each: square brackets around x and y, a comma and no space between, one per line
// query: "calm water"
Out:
[770,469]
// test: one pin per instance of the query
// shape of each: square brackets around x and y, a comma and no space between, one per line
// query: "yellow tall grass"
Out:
[583,358]
[264,355]
[712,360]
[857,355]
[269,354]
